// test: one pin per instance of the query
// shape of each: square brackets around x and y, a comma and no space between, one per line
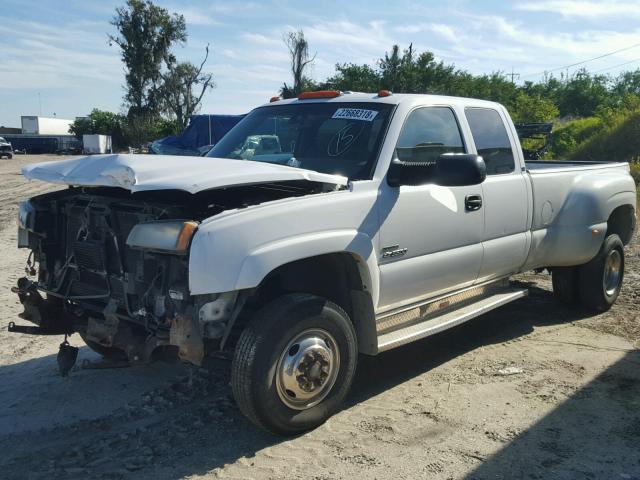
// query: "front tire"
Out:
[600,279]
[294,363]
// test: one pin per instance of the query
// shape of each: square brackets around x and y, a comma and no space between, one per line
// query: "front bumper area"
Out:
[53,316]
[48,316]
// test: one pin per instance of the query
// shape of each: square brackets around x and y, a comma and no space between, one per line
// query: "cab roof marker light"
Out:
[384,93]
[319,94]
[274,99]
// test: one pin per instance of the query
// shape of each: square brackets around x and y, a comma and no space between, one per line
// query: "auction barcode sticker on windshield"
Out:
[355,114]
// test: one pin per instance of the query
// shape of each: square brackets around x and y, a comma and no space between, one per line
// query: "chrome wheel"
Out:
[307,369]
[612,272]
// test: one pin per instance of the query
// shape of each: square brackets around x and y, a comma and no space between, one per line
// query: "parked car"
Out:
[318,228]
[6,150]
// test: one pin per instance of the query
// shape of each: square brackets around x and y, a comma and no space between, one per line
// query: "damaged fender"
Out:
[227,254]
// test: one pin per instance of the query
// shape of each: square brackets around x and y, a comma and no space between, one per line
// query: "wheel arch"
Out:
[341,277]
[622,222]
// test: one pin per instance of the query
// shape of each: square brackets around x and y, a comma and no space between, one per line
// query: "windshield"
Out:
[335,138]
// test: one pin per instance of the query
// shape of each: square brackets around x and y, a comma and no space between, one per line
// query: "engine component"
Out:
[185,334]
[214,315]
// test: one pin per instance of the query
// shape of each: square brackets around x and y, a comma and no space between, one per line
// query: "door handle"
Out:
[472,202]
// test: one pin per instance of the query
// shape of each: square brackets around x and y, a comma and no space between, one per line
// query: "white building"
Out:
[36,125]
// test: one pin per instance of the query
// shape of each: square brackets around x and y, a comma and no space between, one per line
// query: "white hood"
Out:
[165,172]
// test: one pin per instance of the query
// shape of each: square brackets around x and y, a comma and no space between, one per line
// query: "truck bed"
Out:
[541,166]
[569,206]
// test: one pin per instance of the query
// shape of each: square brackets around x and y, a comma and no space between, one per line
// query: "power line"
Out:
[616,66]
[544,72]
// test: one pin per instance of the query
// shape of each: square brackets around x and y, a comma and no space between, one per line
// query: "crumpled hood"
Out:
[165,172]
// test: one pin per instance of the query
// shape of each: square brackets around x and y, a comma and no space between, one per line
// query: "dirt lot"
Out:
[441,408]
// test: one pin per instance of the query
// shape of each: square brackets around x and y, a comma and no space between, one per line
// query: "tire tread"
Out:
[565,284]
[590,278]
[241,374]
[246,355]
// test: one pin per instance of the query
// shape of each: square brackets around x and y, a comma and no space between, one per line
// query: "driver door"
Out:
[430,238]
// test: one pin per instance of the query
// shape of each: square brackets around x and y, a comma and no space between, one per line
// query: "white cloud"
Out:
[229,53]
[260,39]
[43,57]
[346,34]
[234,8]
[195,16]
[446,32]
[583,8]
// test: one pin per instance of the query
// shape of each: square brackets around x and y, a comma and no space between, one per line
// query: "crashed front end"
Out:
[115,269]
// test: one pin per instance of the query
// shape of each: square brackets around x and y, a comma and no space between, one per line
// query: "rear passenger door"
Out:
[504,192]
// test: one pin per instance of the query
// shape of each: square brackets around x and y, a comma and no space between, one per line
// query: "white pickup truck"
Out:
[317,229]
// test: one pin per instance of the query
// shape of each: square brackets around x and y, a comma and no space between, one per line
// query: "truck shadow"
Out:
[196,428]
[34,396]
[506,323]
[595,433]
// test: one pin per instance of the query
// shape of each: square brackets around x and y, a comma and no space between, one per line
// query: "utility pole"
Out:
[514,76]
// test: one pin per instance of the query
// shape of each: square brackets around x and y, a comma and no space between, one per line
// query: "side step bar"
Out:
[436,324]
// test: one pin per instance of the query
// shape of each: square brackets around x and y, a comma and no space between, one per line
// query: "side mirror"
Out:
[448,170]
[455,170]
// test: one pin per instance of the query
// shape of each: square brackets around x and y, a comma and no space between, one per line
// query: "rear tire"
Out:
[565,284]
[294,363]
[601,278]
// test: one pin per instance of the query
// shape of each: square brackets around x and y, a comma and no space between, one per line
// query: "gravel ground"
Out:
[533,390]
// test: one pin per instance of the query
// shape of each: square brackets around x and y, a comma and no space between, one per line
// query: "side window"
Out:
[428,133]
[491,139]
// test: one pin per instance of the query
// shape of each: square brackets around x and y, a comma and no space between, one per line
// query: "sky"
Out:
[55,57]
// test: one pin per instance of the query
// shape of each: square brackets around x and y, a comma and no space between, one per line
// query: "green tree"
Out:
[103,123]
[352,77]
[527,108]
[582,94]
[434,77]
[300,61]
[627,83]
[146,34]
[183,88]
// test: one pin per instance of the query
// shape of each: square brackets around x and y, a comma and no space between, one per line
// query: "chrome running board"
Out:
[422,321]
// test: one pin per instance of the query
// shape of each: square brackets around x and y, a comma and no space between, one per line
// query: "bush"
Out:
[635,172]
[527,108]
[569,137]
[619,141]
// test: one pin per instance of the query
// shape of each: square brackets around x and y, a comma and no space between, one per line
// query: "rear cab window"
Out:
[491,139]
